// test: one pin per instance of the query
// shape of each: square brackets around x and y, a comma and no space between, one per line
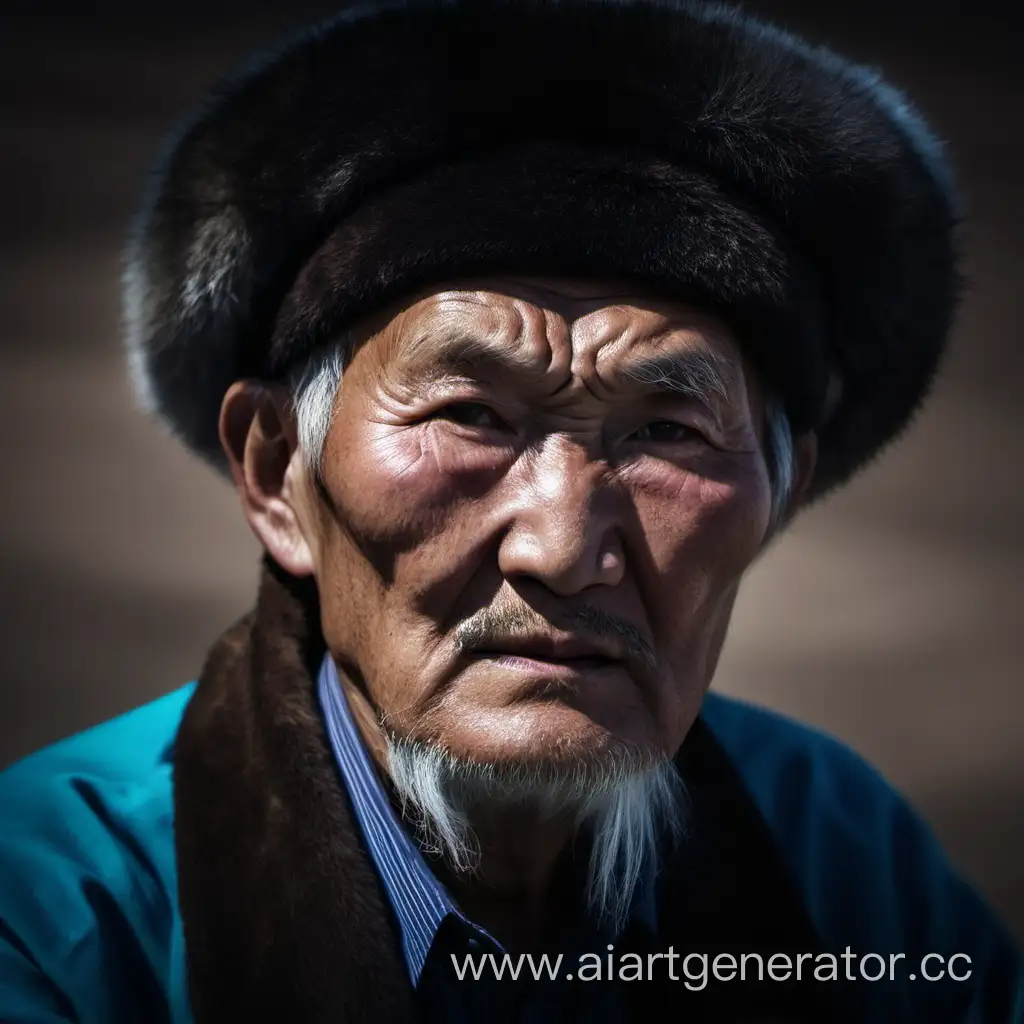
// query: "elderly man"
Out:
[521,330]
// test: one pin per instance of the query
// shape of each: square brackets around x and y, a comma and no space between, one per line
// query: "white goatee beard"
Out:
[629,801]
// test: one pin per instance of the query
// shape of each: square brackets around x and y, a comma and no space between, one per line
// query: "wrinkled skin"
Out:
[520,493]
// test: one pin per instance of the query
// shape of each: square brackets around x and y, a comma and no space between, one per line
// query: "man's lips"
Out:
[547,665]
[554,649]
[583,661]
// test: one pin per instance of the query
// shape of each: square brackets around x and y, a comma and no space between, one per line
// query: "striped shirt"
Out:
[420,902]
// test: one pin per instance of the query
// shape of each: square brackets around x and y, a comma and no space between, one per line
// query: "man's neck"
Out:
[511,893]
[517,893]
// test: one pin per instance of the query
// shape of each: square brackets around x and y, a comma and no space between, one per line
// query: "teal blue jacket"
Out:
[90,929]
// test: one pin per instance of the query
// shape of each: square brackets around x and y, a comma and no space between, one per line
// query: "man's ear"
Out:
[259,437]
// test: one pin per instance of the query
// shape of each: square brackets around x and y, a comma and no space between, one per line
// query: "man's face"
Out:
[507,472]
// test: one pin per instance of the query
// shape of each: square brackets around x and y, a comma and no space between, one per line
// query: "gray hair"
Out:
[780,457]
[628,800]
[314,390]
[314,393]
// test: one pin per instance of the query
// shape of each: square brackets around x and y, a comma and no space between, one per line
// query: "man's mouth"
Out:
[547,663]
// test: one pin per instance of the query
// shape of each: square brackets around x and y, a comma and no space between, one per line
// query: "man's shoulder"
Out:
[100,767]
[873,875]
[768,747]
[842,827]
[125,745]
[839,823]
[87,859]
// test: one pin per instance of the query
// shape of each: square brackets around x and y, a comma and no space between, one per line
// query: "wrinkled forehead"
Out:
[559,328]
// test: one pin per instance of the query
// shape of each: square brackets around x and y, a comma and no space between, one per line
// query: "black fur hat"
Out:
[691,147]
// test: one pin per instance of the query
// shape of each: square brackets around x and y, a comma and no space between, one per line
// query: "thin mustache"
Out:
[494,626]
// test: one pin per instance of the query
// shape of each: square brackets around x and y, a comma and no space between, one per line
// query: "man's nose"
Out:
[565,522]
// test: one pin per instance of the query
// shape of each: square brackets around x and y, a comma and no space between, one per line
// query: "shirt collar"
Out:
[419,900]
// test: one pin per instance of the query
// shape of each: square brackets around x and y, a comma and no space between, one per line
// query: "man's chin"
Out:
[551,769]
[622,790]
[552,735]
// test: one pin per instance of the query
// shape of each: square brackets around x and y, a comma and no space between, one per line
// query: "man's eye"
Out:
[471,414]
[665,432]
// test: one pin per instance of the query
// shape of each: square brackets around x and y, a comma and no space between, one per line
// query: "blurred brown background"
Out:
[889,616]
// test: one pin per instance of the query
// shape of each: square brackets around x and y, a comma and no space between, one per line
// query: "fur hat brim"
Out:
[691,148]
